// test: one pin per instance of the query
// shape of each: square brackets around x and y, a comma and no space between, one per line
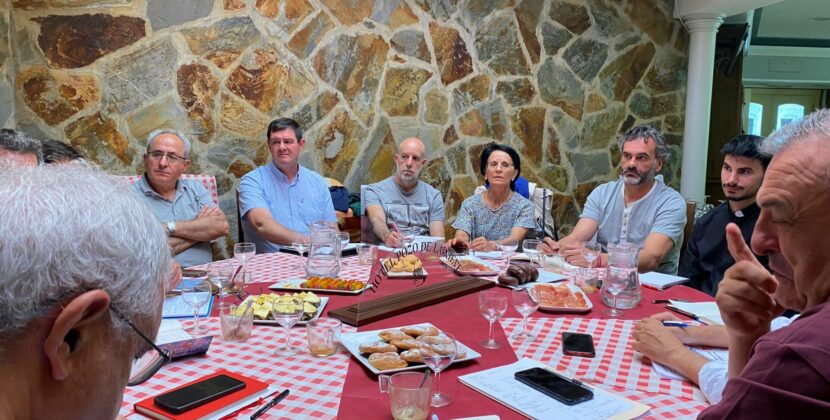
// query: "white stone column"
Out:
[703,31]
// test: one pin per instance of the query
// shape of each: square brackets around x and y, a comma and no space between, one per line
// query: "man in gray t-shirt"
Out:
[402,200]
[638,208]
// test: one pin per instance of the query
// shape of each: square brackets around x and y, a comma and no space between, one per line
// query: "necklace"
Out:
[495,207]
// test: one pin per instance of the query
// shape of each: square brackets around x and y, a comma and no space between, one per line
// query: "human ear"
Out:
[72,329]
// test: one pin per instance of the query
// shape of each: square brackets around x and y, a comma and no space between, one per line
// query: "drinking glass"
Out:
[530,248]
[197,297]
[492,306]
[300,245]
[526,301]
[287,318]
[244,251]
[437,356]
[219,274]
[507,246]
[615,284]
[407,236]
[591,251]
[344,241]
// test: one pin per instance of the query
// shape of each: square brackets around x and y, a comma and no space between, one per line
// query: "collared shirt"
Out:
[707,257]
[294,204]
[416,208]
[190,197]
[662,211]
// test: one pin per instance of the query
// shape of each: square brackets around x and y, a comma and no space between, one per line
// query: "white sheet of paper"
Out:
[176,307]
[171,331]
[500,384]
[660,280]
[712,354]
[707,310]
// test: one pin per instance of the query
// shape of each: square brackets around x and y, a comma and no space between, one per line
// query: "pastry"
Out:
[387,360]
[460,352]
[419,330]
[435,339]
[377,347]
[405,344]
[390,335]
[412,356]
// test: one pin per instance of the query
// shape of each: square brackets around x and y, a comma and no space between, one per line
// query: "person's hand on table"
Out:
[456,244]
[482,244]
[656,341]
[549,246]
[665,316]
[393,239]
[175,276]
[573,255]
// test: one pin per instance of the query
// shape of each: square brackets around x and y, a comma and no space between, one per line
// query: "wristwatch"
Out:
[171,228]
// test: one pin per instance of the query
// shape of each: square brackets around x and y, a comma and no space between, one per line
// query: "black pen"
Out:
[268,406]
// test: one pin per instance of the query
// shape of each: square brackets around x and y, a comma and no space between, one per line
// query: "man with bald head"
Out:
[19,149]
[402,200]
[184,207]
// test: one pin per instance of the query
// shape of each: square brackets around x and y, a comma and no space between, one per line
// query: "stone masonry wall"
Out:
[555,79]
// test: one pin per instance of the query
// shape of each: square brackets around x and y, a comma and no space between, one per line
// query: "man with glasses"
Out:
[184,207]
[279,200]
[80,260]
[403,200]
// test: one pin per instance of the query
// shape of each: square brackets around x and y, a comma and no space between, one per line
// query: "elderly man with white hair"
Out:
[82,271]
[184,207]
[19,149]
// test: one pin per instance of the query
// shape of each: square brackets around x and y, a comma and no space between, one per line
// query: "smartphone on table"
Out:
[577,344]
[198,394]
[564,390]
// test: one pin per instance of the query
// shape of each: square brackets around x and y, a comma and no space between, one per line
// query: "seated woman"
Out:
[499,212]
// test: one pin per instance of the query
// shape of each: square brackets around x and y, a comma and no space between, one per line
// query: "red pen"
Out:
[258,401]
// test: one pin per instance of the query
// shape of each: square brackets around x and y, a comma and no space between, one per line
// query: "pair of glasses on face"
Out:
[504,165]
[171,158]
[148,360]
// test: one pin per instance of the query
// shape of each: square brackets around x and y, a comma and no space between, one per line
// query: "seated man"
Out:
[19,149]
[184,207]
[402,200]
[281,199]
[706,255]
[55,151]
[638,208]
[784,372]
[83,267]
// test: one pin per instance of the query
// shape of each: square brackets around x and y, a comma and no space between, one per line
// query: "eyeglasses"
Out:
[504,165]
[148,363]
[171,158]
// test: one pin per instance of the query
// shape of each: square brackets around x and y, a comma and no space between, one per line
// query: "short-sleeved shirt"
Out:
[294,205]
[416,208]
[478,220]
[190,197]
[662,210]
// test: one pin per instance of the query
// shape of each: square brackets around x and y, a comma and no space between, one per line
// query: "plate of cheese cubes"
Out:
[265,305]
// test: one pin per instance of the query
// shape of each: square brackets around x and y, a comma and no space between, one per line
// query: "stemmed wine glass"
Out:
[300,245]
[407,236]
[244,251]
[507,246]
[615,282]
[492,306]
[526,301]
[438,352]
[530,248]
[591,251]
[219,273]
[197,297]
[287,314]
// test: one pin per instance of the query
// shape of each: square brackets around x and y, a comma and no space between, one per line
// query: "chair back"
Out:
[367,235]
[687,228]
[240,234]
[209,182]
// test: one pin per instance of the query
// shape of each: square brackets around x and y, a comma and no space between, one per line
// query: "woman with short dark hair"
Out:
[499,212]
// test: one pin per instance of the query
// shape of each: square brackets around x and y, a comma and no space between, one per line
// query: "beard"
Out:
[741,195]
[635,177]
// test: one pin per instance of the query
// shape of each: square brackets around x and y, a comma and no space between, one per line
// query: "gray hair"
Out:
[809,128]
[65,230]
[15,141]
[646,132]
[176,133]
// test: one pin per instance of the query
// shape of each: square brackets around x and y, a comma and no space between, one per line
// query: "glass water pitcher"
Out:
[622,261]
[323,251]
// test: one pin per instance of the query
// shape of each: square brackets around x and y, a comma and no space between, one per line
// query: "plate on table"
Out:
[327,285]
[563,298]
[352,342]
[405,267]
[470,266]
[273,297]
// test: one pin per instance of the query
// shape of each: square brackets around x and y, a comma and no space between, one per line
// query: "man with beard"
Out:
[785,372]
[638,208]
[402,200]
[706,255]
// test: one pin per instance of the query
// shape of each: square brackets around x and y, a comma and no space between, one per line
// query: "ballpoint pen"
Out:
[678,324]
[270,404]
[681,312]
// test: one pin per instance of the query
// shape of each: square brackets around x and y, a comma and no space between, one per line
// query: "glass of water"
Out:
[530,248]
[438,352]
[219,274]
[244,251]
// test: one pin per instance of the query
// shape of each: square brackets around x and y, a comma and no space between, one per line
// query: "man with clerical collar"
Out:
[184,207]
[279,201]
[402,200]
[706,256]
[638,208]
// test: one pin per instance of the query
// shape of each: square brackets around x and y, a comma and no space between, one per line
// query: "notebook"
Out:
[500,385]
[660,281]
[254,389]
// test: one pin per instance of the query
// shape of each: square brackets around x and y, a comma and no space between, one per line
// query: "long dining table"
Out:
[340,387]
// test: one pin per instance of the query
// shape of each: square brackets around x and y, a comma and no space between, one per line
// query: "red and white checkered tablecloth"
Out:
[316,383]
[278,266]
[617,365]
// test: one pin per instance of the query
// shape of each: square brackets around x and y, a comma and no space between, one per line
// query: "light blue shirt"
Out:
[295,204]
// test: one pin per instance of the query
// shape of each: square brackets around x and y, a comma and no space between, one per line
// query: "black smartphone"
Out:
[562,389]
[198,394]
[577,344]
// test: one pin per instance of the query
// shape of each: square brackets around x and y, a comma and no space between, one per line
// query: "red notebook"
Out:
[252,387]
